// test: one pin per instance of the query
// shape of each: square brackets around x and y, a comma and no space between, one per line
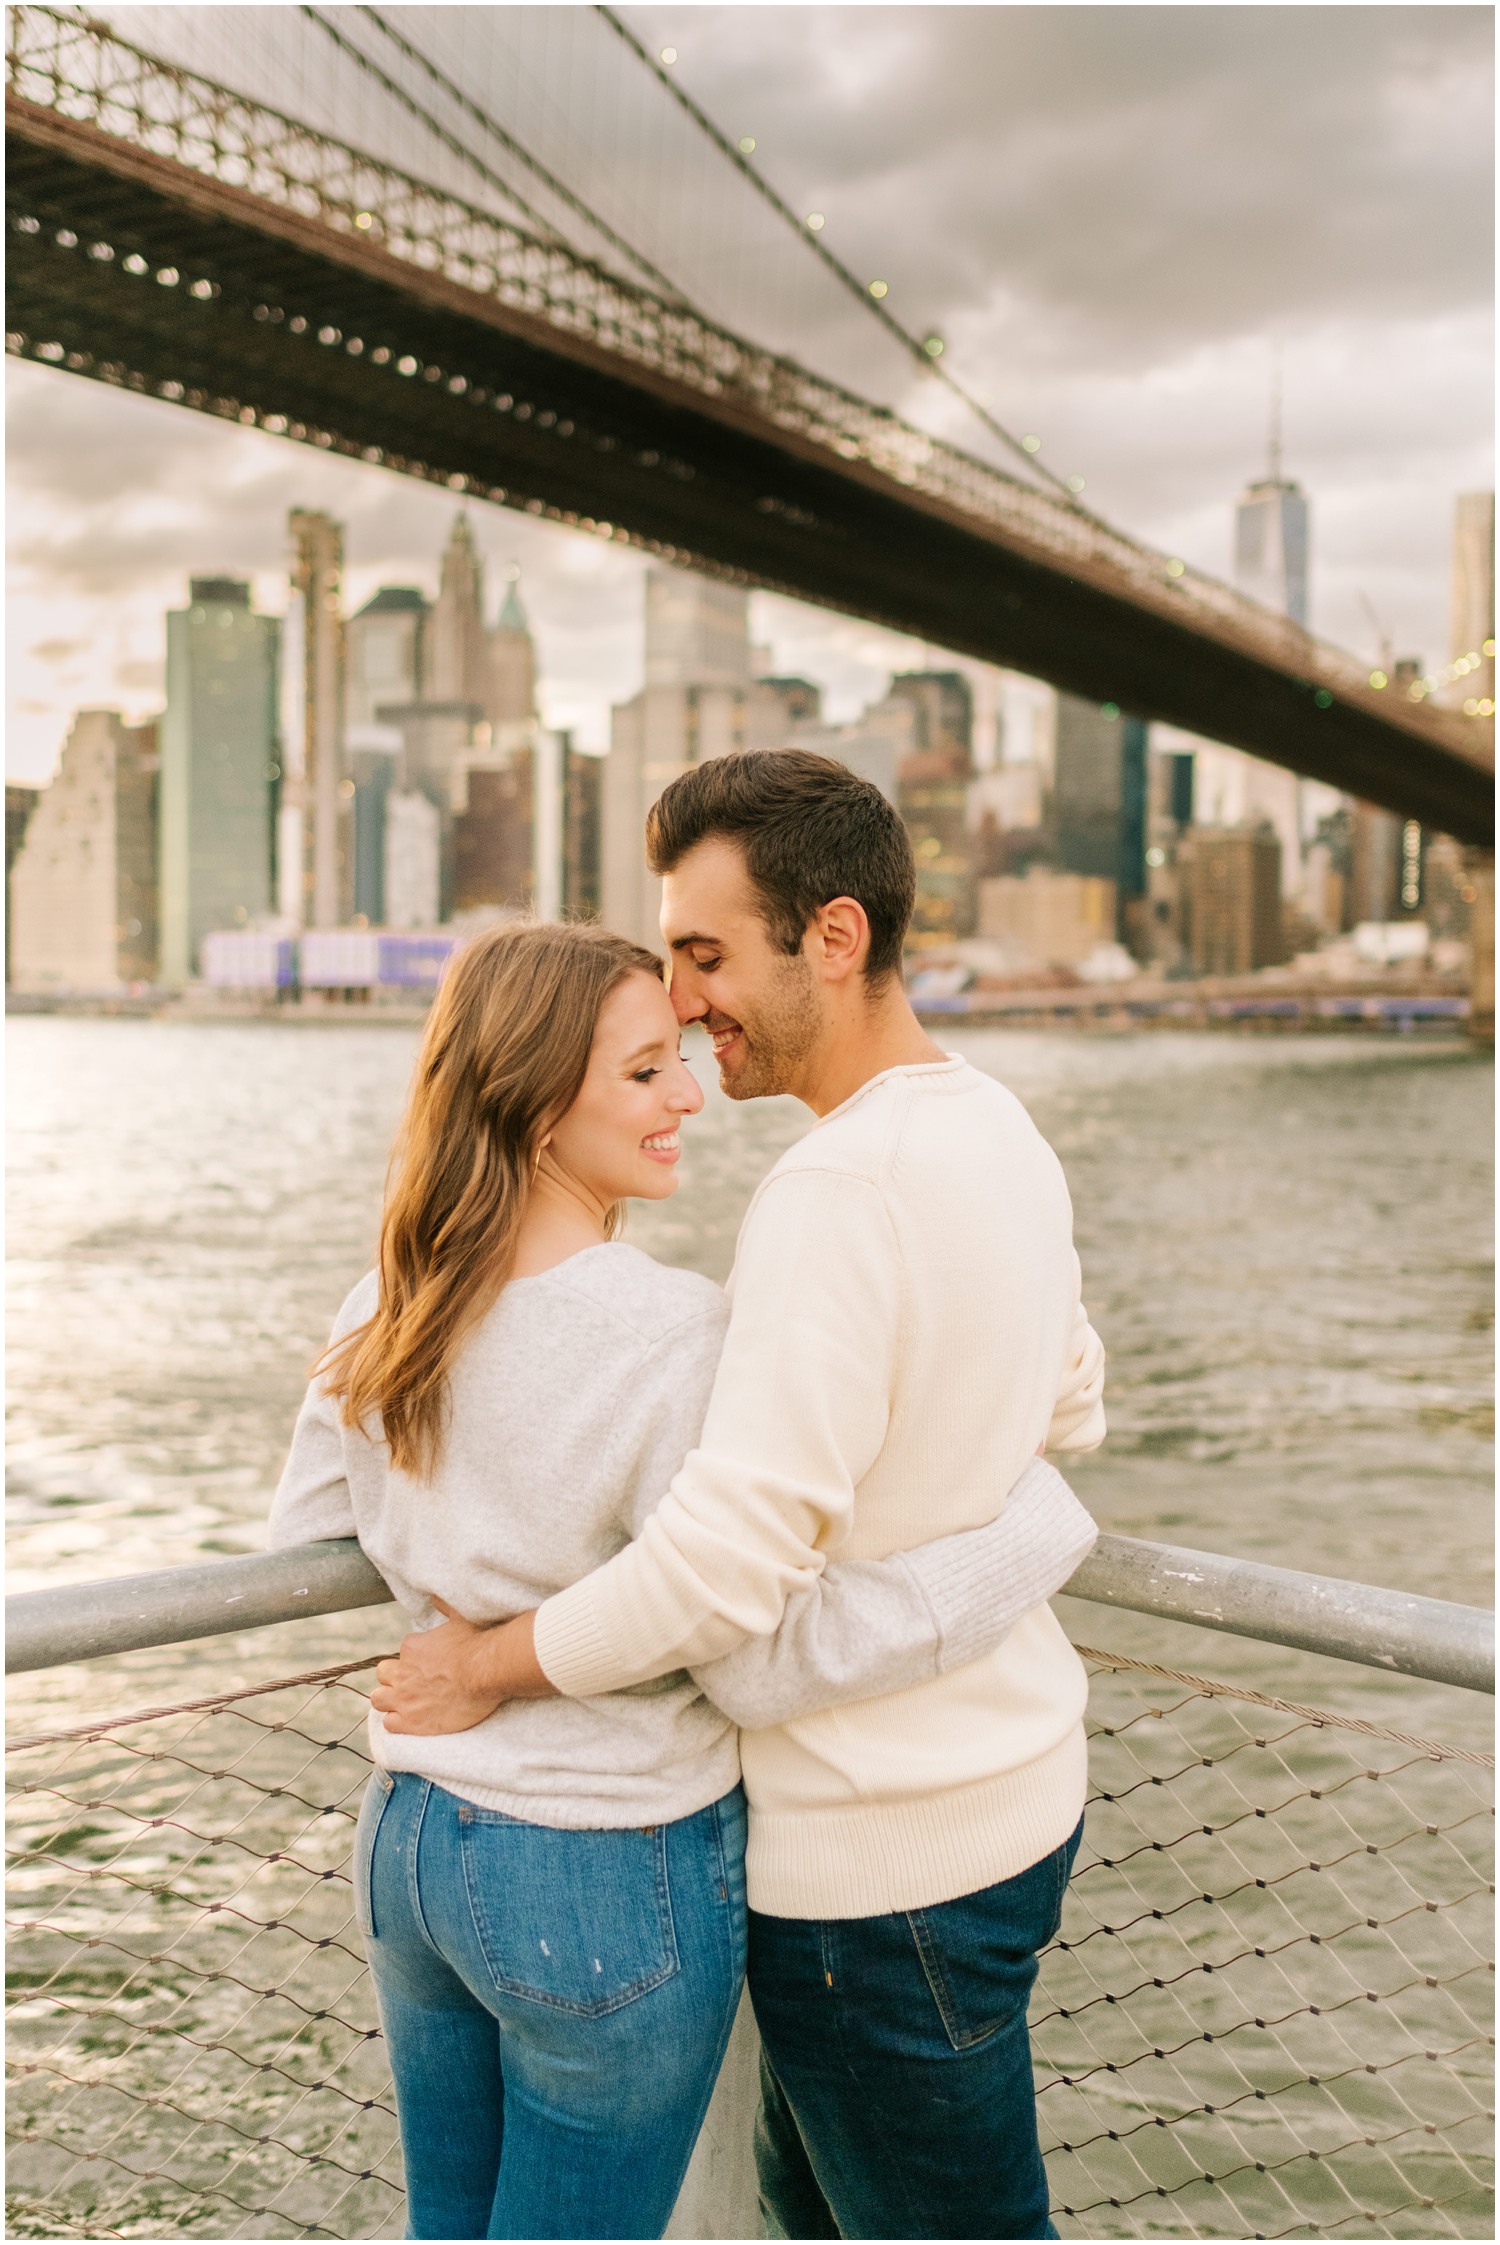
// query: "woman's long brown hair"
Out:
[503,1059]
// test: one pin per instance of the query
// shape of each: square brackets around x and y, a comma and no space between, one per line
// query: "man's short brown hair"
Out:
[810,829]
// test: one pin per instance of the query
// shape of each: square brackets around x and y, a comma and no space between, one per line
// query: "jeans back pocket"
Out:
[979,1954]
[579,1920]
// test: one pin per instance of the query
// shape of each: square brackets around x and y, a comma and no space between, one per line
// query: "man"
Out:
[905,1332]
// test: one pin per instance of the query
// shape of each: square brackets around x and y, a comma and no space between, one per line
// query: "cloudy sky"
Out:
[1117,217]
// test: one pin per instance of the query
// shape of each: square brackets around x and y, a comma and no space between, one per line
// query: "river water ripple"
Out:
[1285,1245]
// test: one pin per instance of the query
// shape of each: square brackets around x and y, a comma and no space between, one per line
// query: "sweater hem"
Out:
[874,1857]
[576,1813]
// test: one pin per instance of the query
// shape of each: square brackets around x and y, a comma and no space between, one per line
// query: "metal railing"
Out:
[1391,1629]
[1268,2013]
[78,68]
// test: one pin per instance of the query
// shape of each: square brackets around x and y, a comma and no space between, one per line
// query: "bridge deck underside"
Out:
[503,405]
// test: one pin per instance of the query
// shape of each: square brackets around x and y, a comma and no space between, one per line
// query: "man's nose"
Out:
[688,1002]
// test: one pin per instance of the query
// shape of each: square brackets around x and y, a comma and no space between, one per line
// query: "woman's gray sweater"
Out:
[572,1407]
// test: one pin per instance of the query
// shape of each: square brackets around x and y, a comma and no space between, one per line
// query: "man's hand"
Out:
[450,1678]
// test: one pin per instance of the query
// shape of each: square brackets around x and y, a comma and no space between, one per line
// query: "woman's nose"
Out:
[686,1095]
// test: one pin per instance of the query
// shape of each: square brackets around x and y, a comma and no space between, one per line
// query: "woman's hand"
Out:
[450,1678]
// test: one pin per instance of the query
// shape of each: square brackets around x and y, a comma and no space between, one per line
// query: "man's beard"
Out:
[778,1036]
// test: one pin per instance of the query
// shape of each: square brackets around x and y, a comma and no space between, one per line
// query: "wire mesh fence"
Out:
[1268,2013]
[193,2042]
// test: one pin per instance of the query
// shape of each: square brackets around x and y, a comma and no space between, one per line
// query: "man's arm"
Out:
[865,1628]
[798,1415]
[1078,1414]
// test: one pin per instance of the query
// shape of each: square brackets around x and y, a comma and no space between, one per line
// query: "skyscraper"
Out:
[1233,884]
[1099,785]
[383,652]
[83,887]
[693,706]
[1271,544]
[697,632]
[1271,533]
[20,802]
[218,747]
[932,795]
[1087,791]
[382,665]
[315,831]
[456,665]
[583,802]
[508,775]
[510,687]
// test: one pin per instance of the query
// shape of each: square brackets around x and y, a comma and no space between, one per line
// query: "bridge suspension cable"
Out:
[491,125]
[450,140]
[914,345]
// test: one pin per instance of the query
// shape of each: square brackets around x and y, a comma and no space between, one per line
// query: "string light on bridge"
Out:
[928,349]
[747,145]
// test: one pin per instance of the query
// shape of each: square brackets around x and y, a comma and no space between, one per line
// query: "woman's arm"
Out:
[869,1627]
[312,1500]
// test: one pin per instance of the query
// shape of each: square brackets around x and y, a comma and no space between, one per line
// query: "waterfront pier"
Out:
[661,498]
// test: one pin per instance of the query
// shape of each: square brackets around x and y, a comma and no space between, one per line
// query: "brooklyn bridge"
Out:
[172,237]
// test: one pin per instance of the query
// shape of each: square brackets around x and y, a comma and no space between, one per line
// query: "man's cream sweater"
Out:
[905,1329]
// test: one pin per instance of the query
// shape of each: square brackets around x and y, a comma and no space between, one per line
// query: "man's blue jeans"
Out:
[896,2091]
[556,2006]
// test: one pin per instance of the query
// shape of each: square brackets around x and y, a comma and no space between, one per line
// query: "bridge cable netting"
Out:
[1268,2012]
[436,218]
[920,349]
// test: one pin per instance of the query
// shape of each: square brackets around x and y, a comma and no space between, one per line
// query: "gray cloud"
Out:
[1110,212]
[1147,175]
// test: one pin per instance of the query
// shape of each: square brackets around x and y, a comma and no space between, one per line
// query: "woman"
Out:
[553,1901]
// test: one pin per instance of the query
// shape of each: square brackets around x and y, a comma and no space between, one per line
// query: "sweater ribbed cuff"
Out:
[978,1585]
[571,1646]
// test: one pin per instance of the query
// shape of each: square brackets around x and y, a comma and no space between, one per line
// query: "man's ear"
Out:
[841,931]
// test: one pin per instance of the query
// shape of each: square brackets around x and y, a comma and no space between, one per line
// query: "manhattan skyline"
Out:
[1147,207]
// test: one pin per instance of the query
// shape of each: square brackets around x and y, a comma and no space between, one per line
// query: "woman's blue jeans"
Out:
[556,2006]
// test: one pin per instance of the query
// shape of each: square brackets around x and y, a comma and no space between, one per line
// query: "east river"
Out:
[1285,1244]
